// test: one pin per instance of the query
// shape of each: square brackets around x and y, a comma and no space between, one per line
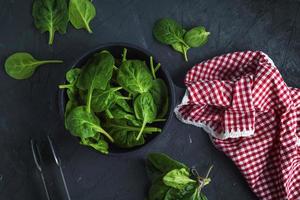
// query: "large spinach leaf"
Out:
[81,12]
[159,92]
[134,76]
[96,74]
[50,16]
[178,178]
[84,124]
[145,110]
[22,65]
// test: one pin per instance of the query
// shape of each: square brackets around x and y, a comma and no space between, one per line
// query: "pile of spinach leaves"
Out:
[168,31]
[114,103]
[174,180]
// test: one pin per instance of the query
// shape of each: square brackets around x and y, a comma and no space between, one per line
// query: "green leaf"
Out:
[71,104]
[81,12]
[103,99]
[134,76]
[190,192]
[123,104]
[158,190]
[22,65]
[96,74]
[100,145]
[181,48]
[118,113]
[196,37]
[50,16]
[84,124]
[159,92]
[163,163]
[178,178]
[145,110]
[168,31]
[71,77]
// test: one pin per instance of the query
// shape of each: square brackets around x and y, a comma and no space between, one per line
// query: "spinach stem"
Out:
[68,86]
[110,116]
[88,28]
[133,128]
[101,130]
[89,99]
[185,54]
[159,120]
[50,61]
[141,131]
[51,36]
[124,55]
[157,67]
[152,67]
[115,68]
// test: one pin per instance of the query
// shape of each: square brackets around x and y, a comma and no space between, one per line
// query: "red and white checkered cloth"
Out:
[241,100]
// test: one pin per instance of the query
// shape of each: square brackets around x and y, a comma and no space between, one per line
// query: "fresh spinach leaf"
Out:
[163,163]
[72,77]
[96,74]
[158,190]
[81,12]
[118,113]
[178,178]
[84,124]
[123,103]
[100,145]
[103,99]
[145,110]
[159,92]
[22,65]
[134,76]
[196,37]
[50,16]
[168,31]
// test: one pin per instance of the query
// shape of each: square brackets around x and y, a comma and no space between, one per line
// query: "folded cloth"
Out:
[241,100]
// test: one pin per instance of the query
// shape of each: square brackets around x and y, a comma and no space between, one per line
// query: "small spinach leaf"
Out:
[22,65]
[100,145]
[168,31]
[84,124]
[134,76]
[81,12]
[51,16]
[145,110]
[178,178]
[196,37]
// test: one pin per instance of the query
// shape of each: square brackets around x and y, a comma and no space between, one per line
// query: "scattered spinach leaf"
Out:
[178,178]
[168,31]
[22,65]
[81,12]
[50,16]
[196,37]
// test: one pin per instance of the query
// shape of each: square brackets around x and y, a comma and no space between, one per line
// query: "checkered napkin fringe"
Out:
[241,100]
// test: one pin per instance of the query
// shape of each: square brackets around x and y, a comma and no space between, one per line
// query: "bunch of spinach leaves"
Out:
[54,15]
[173,180]
[114,104]
[168,31]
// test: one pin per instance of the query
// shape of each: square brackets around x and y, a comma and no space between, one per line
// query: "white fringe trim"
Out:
[298,142]
[207,128]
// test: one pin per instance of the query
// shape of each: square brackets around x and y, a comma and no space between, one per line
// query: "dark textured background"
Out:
[29,108]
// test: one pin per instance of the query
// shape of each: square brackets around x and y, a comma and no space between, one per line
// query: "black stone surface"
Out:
[29,108]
